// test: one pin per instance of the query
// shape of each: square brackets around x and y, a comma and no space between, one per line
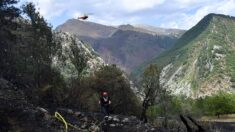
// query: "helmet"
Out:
[104,93]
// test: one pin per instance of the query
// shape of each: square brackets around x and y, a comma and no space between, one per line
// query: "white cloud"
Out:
[227,7]
[166,13]
[188,2]
[134,5]
[77,14]
[49,8]
[170,25]
[187,20]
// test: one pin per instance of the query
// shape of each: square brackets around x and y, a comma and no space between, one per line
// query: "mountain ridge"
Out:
[89,29]
[200,63]
[116,44]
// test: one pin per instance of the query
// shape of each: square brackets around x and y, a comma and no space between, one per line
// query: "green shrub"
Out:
[222,103]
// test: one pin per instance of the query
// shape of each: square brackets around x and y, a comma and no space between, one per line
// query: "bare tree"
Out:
[150,82]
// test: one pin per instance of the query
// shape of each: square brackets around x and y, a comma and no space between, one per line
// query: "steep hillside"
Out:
[202,61]
[127,46]
[129,49]
[73,49]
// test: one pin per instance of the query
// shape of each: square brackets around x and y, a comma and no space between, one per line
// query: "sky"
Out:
[181,14]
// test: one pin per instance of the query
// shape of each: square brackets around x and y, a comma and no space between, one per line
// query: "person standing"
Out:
[104,102]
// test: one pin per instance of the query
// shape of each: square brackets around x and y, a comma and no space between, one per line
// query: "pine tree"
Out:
[41,46]
[8,40]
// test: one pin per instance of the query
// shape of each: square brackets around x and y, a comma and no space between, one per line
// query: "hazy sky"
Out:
[181,14]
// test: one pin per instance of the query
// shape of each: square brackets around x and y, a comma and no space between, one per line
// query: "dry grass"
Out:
[223,118]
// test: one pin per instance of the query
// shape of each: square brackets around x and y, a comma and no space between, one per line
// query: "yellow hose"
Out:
[66,124]
[60,117]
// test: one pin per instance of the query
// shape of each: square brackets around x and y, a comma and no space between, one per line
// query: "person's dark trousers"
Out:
[105,109]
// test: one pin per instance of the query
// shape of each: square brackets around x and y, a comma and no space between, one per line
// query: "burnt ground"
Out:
[221,126]
[18,115]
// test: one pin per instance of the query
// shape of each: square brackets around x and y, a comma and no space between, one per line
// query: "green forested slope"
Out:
[202,60]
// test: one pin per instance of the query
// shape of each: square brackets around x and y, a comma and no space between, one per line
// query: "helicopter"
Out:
[84,17]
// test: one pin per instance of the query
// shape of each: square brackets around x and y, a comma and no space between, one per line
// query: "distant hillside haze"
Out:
[151,30]
[126,45]
[202,61]
[160,31]
[129,49]
[88,29]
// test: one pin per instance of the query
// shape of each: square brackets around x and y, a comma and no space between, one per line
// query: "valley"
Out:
[91,77]
[126,46]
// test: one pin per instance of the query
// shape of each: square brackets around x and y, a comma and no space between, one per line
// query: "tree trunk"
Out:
[143,114]
[189,129]
[166,121]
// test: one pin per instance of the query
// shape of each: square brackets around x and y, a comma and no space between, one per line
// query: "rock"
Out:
[66,66]
[84,126]
[94,128]
[125,120]
[70,111]
[77,114]
[44,113]
[112,125]
[116,119]
[85,119]
[42,110]
[109,118]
